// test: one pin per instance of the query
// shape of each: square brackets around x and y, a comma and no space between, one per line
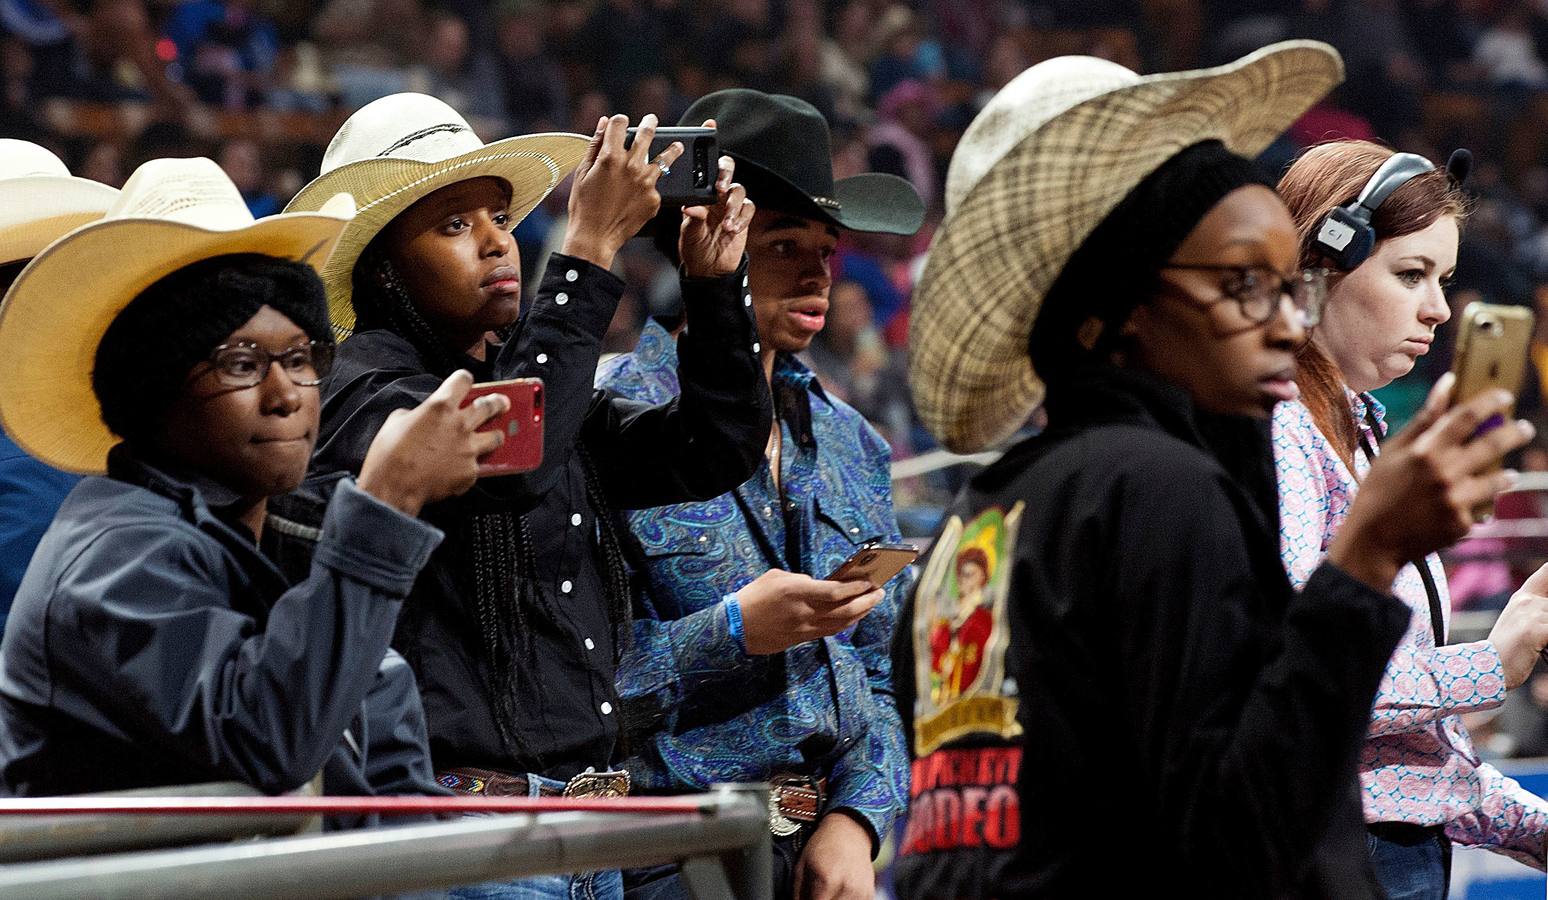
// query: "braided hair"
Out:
[499,558]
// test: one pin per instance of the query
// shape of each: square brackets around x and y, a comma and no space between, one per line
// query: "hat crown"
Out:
[782,134]
[191,191]
[23,159]
[408,126]
[1024,105]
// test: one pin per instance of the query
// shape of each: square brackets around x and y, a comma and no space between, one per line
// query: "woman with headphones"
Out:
[1386,226]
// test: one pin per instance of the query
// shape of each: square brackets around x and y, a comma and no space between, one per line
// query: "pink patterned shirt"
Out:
[1418,764]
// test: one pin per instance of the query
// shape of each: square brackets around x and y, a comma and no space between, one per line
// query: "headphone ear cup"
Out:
[1344,238]
[1359,250]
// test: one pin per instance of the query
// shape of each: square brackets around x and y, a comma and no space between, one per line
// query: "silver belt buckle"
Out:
[590,785]
[793,802]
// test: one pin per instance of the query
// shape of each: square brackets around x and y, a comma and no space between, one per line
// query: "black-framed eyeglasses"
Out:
[1258,290]
[245,364]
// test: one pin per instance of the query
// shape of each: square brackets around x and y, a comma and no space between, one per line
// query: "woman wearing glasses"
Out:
[186,618]
[1423,784]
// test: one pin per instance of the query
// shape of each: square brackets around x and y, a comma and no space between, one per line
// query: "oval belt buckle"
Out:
[781,825]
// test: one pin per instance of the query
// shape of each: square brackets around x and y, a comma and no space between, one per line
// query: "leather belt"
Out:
[586,785]
[794,801]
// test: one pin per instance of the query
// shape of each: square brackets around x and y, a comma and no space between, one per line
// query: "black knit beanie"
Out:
[149,349]
[1115,269]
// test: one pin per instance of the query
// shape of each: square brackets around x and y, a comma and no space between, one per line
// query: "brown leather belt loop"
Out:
[794,801]
[587,785]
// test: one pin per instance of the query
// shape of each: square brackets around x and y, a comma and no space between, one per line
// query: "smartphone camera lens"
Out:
[700,165]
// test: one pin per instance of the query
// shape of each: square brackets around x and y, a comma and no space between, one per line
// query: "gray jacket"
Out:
[153,643]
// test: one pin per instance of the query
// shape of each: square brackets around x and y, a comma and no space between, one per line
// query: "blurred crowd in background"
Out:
[260,85]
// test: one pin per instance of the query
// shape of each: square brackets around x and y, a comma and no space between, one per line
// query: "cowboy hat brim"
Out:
[533,165]
[872,202]
[40,208]
[62,303]
[1001,249]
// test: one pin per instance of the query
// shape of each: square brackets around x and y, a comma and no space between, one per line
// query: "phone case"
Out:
[691,179]
[1492,347]
[1492,343]
[875,562]
[522,424]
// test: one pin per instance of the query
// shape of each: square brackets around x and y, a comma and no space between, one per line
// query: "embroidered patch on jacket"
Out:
[963,799]
[960,633]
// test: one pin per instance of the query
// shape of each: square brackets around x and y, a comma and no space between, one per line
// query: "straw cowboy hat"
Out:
[398,149]
[1044,163]
[40,199]
[171,213]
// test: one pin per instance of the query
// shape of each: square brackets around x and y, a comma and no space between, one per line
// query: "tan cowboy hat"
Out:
[40,199]
[1044,163]
[395,150]
[172,213]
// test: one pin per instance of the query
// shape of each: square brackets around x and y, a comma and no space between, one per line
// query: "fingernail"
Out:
[1527,428]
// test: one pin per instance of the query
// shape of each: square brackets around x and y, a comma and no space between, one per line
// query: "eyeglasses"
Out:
[1258,290]
[245,365]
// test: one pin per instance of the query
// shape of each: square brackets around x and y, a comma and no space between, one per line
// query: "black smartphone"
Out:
[691,179]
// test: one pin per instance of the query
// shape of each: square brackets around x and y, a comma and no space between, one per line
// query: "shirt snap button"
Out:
[607,708]
[542,358]
[566,587]
[561,298]
[571,275]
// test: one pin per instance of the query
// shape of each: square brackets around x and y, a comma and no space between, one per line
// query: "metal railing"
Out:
[721,838]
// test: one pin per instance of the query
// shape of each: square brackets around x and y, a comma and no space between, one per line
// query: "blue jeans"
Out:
[604,885]
[1411,864]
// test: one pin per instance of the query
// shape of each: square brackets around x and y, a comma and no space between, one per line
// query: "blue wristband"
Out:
[734,620]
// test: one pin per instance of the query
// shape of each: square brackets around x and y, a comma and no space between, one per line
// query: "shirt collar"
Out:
[199,496]
[1367,408]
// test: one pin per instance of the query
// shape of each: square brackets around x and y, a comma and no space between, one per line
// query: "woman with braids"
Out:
[1424,786]
[515,626]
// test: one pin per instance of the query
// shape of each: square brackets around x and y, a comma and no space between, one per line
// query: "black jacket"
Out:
[1186,721]
[153,642]
[696,447]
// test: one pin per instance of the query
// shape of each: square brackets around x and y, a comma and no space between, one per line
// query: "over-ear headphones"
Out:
[1345,236]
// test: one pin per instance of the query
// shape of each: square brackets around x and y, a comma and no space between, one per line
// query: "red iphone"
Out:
[522,424]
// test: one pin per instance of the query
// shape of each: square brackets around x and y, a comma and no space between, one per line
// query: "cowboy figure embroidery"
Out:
[957,644]
[961,637]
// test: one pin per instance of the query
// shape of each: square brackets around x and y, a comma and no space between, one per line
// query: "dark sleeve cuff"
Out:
[1340,594]
[719,309]
[367,540]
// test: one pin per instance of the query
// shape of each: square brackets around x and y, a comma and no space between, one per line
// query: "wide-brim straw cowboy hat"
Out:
[40,200]
[172,213]
[399,149]
[1039,168]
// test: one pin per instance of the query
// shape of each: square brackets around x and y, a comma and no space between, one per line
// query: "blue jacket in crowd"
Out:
[702,709]
[30,494]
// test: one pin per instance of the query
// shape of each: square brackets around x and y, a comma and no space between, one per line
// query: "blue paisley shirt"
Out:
[702,709]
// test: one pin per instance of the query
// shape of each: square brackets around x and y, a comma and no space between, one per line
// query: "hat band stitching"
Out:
[827,202]
[449,127]
[553,173]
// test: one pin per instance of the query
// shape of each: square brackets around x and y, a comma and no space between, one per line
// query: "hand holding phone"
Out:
[522,425]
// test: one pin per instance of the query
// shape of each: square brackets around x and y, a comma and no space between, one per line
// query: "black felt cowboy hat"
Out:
[783,157]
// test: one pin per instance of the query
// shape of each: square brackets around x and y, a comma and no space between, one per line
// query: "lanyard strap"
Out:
[1431,592]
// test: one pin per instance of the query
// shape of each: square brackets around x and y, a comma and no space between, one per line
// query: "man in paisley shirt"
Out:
[746,664]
